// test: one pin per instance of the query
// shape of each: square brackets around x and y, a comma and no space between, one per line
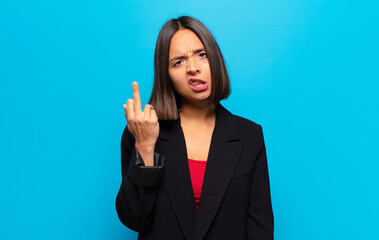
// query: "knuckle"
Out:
[138,119]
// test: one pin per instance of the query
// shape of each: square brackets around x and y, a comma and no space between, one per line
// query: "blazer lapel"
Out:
[177,180]
[224,153]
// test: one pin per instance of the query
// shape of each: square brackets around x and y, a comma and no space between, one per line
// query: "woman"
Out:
[165,191]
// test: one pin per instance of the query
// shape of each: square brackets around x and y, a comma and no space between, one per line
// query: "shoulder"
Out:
[239,121]
[244,122]
[244,127]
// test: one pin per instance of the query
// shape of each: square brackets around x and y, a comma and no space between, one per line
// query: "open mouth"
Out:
[198,85]
[195,82]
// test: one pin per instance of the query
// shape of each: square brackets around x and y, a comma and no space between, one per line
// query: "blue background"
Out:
[307,71]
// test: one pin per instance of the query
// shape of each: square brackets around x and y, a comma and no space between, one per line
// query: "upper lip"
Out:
[196,79]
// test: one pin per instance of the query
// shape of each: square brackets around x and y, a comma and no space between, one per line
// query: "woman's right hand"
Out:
[143,125]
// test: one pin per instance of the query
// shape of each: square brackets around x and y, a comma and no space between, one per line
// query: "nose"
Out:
[192,66]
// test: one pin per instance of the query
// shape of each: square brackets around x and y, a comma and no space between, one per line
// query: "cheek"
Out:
[206,67]
[176,76]
[175,80]
[208,73]
[172,77]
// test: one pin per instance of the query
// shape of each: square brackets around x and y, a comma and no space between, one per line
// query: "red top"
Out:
[197,170]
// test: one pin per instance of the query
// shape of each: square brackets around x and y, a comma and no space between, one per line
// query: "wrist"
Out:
[145,148]
[147,153]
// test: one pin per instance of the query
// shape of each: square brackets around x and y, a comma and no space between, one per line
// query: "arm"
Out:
[260,220]
[137,195]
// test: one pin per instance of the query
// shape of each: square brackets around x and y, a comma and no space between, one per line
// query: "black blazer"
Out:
[158,202]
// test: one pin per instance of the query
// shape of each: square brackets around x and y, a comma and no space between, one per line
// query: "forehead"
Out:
[184,41]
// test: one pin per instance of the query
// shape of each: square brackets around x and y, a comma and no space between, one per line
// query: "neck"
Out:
[203,112]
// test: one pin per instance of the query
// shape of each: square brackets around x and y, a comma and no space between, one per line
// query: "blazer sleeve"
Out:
[260,220]
[136,198]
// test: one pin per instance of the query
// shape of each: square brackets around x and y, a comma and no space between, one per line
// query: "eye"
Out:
[177,62]
[203,54]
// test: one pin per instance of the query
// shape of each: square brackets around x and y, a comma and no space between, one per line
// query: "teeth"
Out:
[193,83]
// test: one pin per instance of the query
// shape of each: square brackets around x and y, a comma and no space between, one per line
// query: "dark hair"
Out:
[163,97]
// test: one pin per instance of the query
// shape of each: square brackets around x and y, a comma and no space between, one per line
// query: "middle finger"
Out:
[136,98]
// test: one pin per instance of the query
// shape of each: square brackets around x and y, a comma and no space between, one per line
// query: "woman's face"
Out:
[189,68]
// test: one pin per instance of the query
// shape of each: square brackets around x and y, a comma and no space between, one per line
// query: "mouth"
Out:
[198,85]
[196,81]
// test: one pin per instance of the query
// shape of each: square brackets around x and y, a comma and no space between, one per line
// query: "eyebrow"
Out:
[184,56]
